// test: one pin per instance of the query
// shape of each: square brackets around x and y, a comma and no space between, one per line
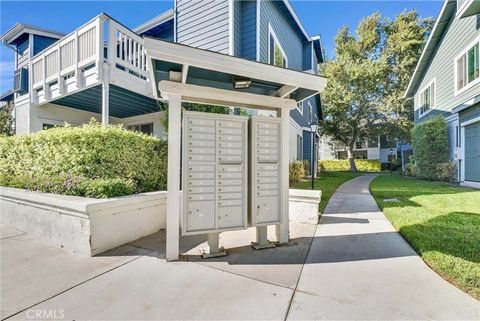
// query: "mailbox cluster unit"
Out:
[223,188]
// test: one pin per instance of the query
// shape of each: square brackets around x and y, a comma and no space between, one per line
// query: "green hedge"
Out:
[430,147]
[363,165]
[91,160]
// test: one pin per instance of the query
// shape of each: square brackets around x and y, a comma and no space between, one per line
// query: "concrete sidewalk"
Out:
[351,266]
[359,267]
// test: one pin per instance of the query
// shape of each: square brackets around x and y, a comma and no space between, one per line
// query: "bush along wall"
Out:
[296,171]
[363,165]
[430,147]
[92,161]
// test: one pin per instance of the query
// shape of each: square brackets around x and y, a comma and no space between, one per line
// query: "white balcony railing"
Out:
[101,50]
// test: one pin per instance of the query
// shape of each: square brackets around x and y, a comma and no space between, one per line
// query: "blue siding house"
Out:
[261,30]
[446,82]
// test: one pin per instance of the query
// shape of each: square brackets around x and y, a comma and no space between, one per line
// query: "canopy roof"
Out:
[195,67]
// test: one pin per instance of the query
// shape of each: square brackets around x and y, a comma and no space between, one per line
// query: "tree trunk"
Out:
[351,160]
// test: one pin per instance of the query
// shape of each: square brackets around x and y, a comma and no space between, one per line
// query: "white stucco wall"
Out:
[373,153]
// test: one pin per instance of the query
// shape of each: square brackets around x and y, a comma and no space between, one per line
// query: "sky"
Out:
[317,16]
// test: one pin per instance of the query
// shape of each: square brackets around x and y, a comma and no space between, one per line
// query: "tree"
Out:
[364,93]
[7,121]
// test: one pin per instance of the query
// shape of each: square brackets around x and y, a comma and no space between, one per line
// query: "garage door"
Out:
[472,152]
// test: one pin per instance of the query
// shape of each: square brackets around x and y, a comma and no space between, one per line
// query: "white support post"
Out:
[100,46]
[213,241]
[282,230]
[173,181]
[105,103]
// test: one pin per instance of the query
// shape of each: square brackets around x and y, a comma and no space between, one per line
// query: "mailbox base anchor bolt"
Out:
[258,246]
[221,252]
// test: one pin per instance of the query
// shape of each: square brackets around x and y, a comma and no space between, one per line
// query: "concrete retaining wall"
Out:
[83,225]
[303,205]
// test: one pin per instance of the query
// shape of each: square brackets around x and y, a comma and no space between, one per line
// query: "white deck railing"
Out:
[100,50]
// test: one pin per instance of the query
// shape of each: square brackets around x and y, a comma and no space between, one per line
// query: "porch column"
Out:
[282,230]
[173,182]
[105,102]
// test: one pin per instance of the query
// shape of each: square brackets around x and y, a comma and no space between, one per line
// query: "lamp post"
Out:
[313,128]
[391,160]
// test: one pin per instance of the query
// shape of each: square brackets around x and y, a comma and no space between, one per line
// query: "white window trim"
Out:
[456,91]
[310,110]
[300,108]
[433,104]
[275,38]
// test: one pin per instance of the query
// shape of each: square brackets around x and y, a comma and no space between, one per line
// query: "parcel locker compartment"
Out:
[267,180]
[230,138]
[230,158]
[230,175]
[201,197]
[200,216]
[202,137]
[230,217]
[230,151]
[229,196]
[229,124]
[230,189]
[200,175]
[201,158]
[201,143]
[202,129]
[230,182]
[267,209]
[201,122]
[201,182]
[223,145]
[230,131]
[201,151]
[201,168]
[201,190]
[230,202]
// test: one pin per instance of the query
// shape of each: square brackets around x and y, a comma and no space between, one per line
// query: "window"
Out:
[299,147]
[143,128]
[276,55]
[457,136]
[300,107]
[467,67]
[427,98]
[47,126]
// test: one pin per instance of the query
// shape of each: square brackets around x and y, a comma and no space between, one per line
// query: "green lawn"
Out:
[441,222]
[327,183]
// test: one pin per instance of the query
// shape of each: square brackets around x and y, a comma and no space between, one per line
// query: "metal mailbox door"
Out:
[265,176]
[214,175]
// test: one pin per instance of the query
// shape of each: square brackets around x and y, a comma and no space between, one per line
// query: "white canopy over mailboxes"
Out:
[182,73]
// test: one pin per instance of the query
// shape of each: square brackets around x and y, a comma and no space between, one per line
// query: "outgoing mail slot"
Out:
[229,217]
[200,216]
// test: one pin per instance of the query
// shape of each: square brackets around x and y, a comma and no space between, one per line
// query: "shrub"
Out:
[306,166]
[410,169]
[296,171]
[430,146]
[363,165]
[91,160]
[446,171]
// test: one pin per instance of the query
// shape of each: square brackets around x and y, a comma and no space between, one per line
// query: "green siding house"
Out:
[446,82]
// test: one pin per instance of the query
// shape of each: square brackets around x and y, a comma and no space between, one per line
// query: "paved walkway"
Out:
[351,266]
[358,267]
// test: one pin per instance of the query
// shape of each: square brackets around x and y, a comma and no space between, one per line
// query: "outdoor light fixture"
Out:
[241,83]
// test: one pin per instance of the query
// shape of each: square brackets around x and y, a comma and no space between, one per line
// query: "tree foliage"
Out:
[7,120]
[366,80]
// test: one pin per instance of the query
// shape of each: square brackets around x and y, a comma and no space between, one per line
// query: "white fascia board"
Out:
[20,28]
[202,94]
[425,48]
[294,15]
[182,54]
[158,20]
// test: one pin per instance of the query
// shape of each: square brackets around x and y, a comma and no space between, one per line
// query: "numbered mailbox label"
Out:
[214,172]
